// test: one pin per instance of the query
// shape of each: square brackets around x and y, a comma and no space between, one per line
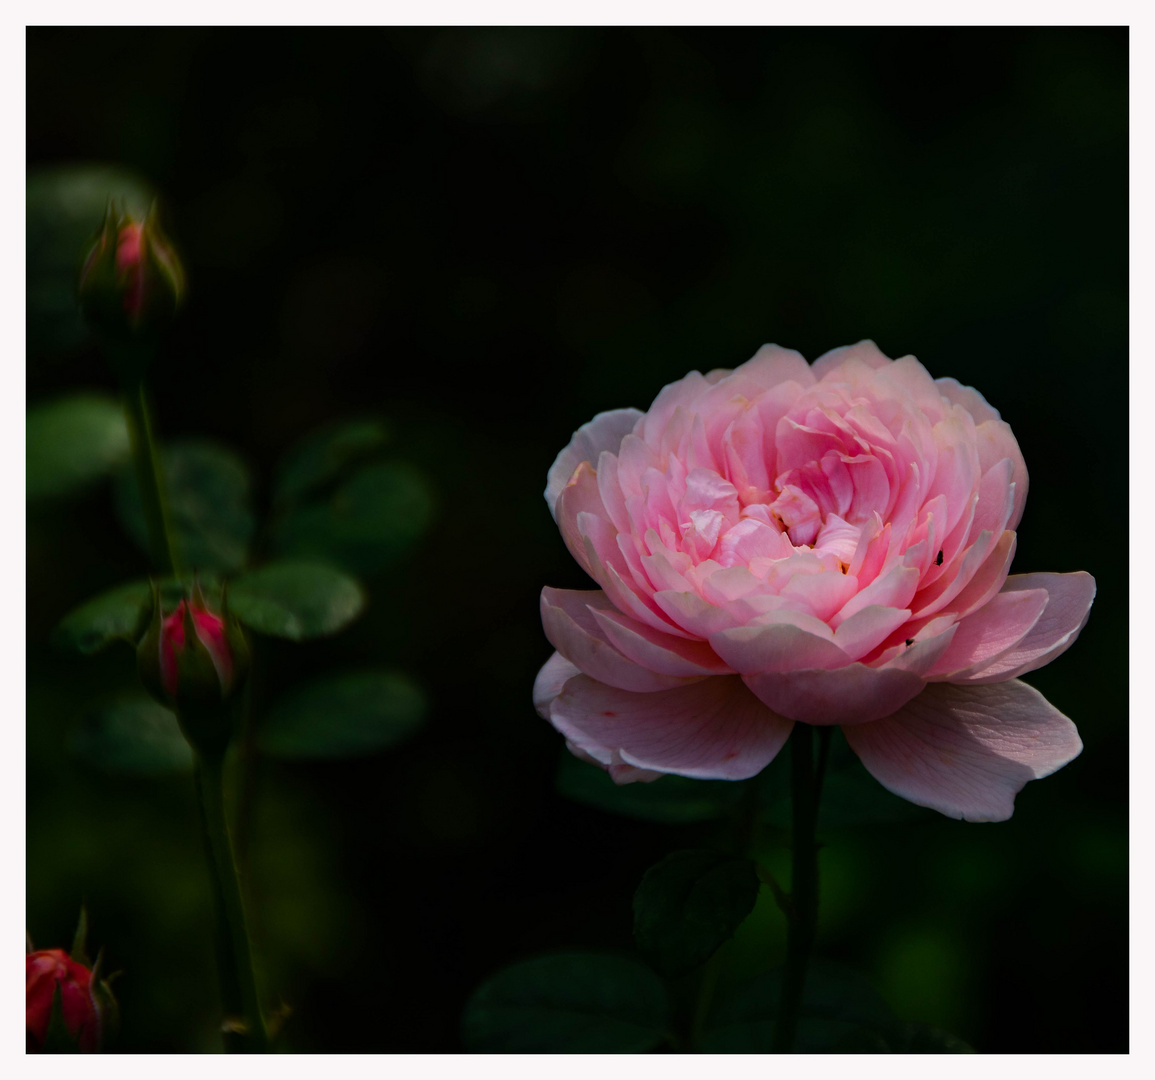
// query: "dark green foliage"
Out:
[371,519]
[324,455]
[837,1003]
[672,799]
[120,614]
[569,1003]
[346,715]
[134,736]
[73,442]
[295,600]
[208,491]
[689,904]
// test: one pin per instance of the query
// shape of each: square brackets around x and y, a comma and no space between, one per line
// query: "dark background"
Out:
[486,236]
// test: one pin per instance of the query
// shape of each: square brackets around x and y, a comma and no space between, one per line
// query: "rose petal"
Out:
[579,496]
[664,653]
[967,751]
[969,398]
[996,441]
[567,616]
[1068,606]
[865,351]
[853,694]
[712,730]
[554,674]
[987,633]
[794,640]
[604,432]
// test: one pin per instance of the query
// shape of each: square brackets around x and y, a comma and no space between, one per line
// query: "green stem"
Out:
[805,786]
[148,476]
[243,1028]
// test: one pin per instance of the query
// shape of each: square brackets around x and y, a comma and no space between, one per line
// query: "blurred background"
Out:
[469,241]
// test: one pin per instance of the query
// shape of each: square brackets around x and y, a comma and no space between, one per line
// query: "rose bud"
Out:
[131,282]
[193,660]
[79,998]
[820,544]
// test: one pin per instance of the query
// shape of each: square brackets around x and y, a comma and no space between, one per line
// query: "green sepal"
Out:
[57,1039]
[107,1007]
[79,951]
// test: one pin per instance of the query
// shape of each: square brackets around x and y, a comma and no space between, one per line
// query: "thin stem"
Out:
[242,1027]
[148,477]
[706,988]
[805,782]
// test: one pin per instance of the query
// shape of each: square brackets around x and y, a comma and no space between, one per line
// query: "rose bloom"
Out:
[823,544]
[45,970]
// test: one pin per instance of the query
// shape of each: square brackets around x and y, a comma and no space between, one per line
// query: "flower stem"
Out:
[802,920]
[144,459]
[242,1027]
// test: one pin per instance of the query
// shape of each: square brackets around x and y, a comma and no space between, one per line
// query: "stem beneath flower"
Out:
[242,1027]
[802,919]
[148,476]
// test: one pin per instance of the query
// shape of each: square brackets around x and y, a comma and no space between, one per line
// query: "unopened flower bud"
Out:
[193,660]
[80,997]
[131,282]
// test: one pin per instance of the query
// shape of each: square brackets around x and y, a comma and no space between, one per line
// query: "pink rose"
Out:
[826,544]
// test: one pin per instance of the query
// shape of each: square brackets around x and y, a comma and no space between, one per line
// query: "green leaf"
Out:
[672,800]
[322,456]
[72,443]
[117,615]
[296,600]
[64,208]
[344,716]
[837,1004]
[570,1003]
[135,736]
[207,488]
[688,904]
[368,522]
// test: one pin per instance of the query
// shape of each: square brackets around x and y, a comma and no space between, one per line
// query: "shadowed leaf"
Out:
[119,614]
[373,518]
[688,904]
[322,456]
[72,443]
[344,716]
[135,736]
[570,1003]
[296,600]
[837,1003]
[207,488]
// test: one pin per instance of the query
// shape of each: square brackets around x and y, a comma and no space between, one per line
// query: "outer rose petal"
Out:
[969,398]
[987,633]
[554,674]
[865,350]
[659,652]
[712,730]
[967,751]
[604,432]
[1068,606]
[853,694]
[567,616]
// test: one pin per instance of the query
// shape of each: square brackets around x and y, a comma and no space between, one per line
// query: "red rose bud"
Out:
[131,282]
[52,975]
[192,660]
